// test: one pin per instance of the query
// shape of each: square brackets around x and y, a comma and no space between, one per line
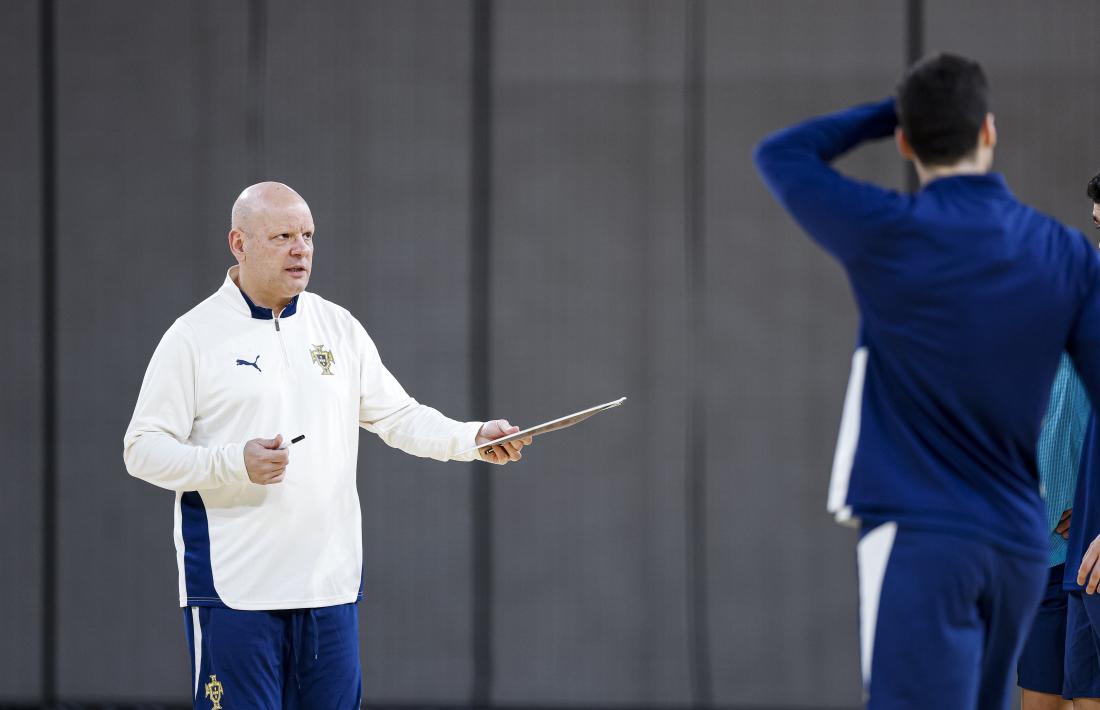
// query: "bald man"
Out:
[250,411]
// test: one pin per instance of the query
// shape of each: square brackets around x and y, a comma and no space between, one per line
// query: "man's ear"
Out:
[988,133]
[902,142]
[236,243]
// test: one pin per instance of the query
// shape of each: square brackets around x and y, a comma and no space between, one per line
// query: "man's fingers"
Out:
[276,474]
[1066,513]
[274,480]
[1086,563]
[499,454]
[271,443]
[496,428]
[502,453]
[270,472]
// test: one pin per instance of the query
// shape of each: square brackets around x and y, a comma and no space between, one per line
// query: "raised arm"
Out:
[840,213]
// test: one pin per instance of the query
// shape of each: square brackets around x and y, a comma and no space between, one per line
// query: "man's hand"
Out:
[1062,528]
[265,460]
[1090,567]
[502,453]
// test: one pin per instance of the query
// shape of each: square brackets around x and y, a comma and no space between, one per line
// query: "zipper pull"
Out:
[277,324]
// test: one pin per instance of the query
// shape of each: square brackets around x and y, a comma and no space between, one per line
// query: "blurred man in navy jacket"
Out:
[967,299]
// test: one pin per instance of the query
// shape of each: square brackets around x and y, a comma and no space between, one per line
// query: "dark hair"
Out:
[942,101]
[1094,188]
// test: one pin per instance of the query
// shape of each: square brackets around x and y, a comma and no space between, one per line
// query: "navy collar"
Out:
[261,313]
[979,181]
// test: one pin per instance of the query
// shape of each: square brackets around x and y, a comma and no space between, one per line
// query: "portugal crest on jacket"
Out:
[323,358]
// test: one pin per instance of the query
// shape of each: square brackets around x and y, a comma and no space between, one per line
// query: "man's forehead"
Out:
[289,217]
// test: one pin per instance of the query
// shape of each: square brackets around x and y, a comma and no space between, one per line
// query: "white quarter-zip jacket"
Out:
[229,371]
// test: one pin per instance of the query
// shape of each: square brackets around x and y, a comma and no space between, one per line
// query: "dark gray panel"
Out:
[151,156]
[1043,65]
[781,330]
[587,293]
[367,116]
[21,378]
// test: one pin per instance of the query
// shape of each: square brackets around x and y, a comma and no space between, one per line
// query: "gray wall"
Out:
[22,354]
[375,139]
[780,334]
[150,143]
[600,556]
[587,285]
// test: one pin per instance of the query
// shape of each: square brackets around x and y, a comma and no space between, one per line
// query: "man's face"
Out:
[277,248]
[1096,215]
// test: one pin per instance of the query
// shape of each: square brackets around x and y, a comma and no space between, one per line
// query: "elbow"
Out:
[760,154]
[768,159]
[128,457]
[131,456]
[763,155]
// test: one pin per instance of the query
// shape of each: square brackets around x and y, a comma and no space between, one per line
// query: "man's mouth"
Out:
[297,271]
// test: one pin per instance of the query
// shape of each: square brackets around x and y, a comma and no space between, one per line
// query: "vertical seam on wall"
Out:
[48,118]
[257,87]
[914,50]
[695,421]
[481,501]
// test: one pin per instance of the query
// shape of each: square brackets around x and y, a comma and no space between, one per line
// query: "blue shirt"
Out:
[1060,445]
[1085,525]
[967,299]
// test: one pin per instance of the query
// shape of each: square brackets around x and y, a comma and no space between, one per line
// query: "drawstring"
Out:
[313,632]
[303,622]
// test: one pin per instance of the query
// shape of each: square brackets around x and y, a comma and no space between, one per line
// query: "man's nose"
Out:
[300,245]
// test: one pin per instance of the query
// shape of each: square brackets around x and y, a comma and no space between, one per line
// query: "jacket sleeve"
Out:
[1084,343]
[387,410]
[839,213]
[155,447]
